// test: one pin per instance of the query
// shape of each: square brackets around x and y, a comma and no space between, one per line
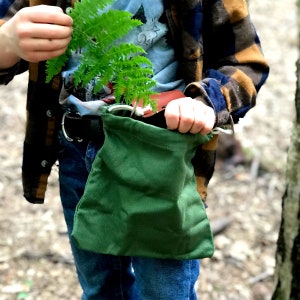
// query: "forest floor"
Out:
[35,259]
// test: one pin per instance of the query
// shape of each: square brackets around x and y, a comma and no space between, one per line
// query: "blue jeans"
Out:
[107,277]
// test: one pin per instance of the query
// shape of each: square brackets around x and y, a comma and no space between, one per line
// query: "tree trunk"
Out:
[287,275]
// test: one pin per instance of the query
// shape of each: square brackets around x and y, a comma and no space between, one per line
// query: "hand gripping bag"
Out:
[140,198]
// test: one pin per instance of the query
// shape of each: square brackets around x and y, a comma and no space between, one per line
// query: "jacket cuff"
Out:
[209,91]
[6,75]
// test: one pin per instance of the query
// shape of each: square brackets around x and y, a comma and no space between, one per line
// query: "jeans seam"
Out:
[190,278]
[120,277]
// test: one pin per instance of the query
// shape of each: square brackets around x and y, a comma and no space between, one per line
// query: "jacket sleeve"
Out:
[43,111]
[8,74]
[234,67]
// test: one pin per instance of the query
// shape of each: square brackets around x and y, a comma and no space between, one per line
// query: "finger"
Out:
[172,115]
[204,121]
[37,44]
[187,117]
[48,15]
[44,31]
[198,123]
[42,55]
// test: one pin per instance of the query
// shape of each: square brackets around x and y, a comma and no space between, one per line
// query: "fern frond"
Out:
[87,8]
[55,65]
[113,61]
[98,33]
[109,27]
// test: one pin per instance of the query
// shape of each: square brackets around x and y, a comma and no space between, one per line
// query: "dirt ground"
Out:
[35,259]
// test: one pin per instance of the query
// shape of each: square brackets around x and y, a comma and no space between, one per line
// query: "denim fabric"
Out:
[106,277]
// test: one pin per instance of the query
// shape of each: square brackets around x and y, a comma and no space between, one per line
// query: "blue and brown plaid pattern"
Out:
[220,59]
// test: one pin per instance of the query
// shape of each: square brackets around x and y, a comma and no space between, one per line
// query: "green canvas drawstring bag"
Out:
[140,198]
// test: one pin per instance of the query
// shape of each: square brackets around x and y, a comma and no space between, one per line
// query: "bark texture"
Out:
[287,277]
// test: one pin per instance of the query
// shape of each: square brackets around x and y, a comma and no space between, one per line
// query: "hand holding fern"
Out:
[189,115]
[35,34]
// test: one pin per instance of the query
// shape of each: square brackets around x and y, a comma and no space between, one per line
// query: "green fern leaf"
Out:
[99,33]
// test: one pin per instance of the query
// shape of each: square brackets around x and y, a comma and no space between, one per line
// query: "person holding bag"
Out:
[207,50]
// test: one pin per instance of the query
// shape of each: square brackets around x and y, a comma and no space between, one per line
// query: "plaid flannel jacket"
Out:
[220,59]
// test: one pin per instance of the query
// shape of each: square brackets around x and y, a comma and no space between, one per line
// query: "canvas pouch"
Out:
[141,198]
